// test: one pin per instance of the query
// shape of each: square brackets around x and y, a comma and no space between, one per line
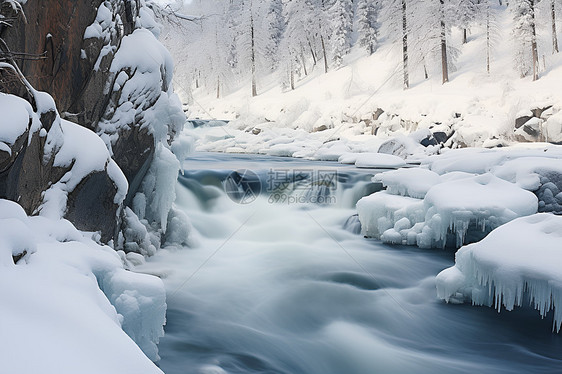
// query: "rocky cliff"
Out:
[101,63]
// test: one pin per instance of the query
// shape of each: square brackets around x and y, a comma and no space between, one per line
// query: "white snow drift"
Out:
[56,317]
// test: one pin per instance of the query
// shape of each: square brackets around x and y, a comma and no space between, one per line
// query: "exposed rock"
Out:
[441,137]
[537,112]
[320,128]
[377,113]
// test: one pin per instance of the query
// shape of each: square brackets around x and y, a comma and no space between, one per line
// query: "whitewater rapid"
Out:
[284,288]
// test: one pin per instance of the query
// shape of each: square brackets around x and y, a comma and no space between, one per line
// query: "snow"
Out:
[53,301]
[413,182]
[16,116]
[379,161]
[517,263]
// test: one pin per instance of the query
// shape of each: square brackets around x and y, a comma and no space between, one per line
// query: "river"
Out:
[284,284]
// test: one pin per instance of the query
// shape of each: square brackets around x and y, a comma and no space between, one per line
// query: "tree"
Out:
[341,13]
[524,32]
[466,14]
[553,22]
[367,15]
[443,41]
[273,24]
[395,15]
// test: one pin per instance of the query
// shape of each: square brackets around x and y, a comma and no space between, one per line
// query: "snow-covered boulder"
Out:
[516,264]
[57,168]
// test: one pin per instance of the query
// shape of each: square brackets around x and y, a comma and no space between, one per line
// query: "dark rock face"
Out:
[94,195]
[23,180]
[55,27]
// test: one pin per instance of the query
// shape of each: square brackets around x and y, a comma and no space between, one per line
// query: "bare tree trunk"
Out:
[303,62]
[425,74]
[464,36]
[405,45]
[253,57]
[488,41]
[554,36]
[312,52]
[218,87]
[324,53]
[292,77]
[444,63]
[534,42]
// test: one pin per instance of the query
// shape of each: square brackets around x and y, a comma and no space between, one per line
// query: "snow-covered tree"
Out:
[466,13]
[524,33]
[396,15]
[341,15]
[273,25]
[367,24]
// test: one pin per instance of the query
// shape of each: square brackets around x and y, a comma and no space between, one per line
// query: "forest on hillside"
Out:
[245,40]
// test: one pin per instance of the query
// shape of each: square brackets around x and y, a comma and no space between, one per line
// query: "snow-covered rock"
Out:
[516,264]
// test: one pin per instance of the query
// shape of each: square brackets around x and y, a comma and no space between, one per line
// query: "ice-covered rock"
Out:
[454,211]
[517,263]
[480,203]
[542,175]
[381,211]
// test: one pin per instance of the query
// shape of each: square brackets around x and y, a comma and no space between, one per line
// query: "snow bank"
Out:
[517,263]
[413,182]
[57,317]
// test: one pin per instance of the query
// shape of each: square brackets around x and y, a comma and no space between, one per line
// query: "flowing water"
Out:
[287,286]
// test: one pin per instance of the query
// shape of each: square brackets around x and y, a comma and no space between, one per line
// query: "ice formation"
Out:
[515,264]
[451,209]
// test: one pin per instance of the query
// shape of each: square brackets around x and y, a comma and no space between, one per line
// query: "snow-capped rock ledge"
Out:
[516,264]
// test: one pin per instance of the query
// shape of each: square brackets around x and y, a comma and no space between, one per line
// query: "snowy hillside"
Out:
[366,96]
